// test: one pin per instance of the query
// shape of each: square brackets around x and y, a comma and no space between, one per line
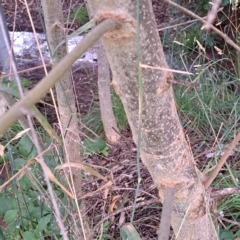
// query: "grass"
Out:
[93,118]
[80,14]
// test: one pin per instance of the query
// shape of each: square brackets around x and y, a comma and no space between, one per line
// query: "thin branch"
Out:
[178,25]
[185,83]
[222,161]
[212,15]
[124,209]
[224,36]
[230,221]
[25,70]
[225,191]
[46,83]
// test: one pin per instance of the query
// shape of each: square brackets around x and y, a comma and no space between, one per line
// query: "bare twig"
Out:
[224,36]
[212,15]
[124,209]
[133,189]
[25,70]
[185,83]
[222,161]
[230,221]
[179,24]
[165,69]
[225,191]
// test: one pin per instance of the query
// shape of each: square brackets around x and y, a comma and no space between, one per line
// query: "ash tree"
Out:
[143,80]
[146,92]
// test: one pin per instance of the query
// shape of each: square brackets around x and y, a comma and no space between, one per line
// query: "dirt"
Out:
[122,157]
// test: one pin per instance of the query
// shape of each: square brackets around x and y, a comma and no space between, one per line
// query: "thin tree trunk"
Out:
[53,16]
[108,118]
[52,10]
[164,149]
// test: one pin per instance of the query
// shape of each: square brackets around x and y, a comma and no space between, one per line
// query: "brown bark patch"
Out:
[126,24]
[164,85]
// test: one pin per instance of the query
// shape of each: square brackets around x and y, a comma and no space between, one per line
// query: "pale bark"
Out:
[164,149]
[53,16]
[108,118]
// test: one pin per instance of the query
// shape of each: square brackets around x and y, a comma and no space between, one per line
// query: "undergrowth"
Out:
[210,115]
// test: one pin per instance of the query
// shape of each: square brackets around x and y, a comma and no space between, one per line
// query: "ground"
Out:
[122,157]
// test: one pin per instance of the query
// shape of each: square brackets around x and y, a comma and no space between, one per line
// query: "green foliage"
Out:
[80,14]
[193,34]
[105,236]
[10,83]
[213,104]
[227,234]
[129,232]
[93,118]
[22,205]
[10,215]
[92,146]
[210,115]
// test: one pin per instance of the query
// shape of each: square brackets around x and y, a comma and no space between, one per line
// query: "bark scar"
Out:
[126,24]
[164,84]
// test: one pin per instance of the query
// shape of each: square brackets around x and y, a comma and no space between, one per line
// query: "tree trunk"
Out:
[54,22]
[53,16]
[164,149]
[108,118]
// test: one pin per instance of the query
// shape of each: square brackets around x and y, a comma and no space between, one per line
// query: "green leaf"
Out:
[105,151]
[29,236]
[26,147]
[25,82]
[25,222]
[226,235]
[79,14]
[13,227]
[11,91]
[19,163]
[25,182]
[2,235]
[97,145]
[10,215]
[38,212]
[62,209]
[128,232]
[43,222]
[5,205]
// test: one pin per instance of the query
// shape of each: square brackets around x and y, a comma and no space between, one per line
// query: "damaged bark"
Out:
[164,149]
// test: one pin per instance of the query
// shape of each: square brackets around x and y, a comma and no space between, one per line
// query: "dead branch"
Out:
[225,191]
[224,36]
